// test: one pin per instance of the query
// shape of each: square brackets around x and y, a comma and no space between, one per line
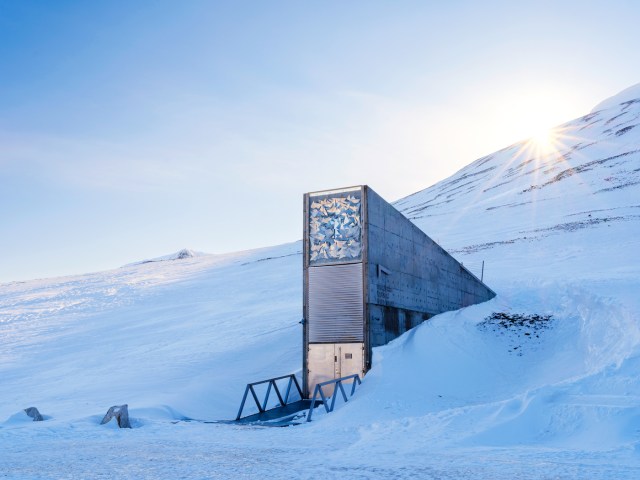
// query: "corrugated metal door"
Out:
[336,309]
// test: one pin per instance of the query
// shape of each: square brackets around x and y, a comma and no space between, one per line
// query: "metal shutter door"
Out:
[336,304]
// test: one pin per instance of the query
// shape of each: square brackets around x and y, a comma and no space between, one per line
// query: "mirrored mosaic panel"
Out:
[335,230]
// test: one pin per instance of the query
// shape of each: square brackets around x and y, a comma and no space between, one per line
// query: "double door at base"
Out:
[328,361]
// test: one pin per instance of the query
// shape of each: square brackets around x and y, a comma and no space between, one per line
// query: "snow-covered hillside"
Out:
[578,204]
[551,392]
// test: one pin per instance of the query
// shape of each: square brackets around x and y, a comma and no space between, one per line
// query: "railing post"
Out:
[353,385]
[255,397]
[295,380]
[313,403]
[244,399]
[266,398]
[275,387]
[286,395]
[334,396]
[323,397]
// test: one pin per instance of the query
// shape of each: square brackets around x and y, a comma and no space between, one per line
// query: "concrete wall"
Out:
[409,276]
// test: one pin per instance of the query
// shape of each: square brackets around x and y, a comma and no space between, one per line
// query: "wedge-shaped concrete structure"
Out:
[369,276]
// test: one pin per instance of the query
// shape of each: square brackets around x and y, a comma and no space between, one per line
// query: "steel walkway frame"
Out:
[329,406]
[272,384]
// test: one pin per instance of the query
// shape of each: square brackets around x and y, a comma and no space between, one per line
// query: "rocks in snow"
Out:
[34,413]
[121,414]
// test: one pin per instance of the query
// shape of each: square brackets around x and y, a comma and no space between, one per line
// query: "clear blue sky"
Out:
[132,129]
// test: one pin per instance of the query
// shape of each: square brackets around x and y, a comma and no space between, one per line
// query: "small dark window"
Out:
[348,356]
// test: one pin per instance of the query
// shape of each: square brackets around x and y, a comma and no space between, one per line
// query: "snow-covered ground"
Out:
[459,397]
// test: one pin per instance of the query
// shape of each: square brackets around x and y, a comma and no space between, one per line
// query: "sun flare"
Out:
[544,140]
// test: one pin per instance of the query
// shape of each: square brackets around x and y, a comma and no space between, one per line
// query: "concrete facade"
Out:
[410,277]
[406,279]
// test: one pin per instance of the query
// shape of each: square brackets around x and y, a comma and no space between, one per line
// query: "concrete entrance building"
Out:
[369,276]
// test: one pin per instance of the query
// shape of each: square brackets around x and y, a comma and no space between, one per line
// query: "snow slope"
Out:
[577,206]
[458,397]
[179,336]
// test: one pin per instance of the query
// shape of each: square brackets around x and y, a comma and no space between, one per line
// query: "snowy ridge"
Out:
[180,255]
[631,94]
[459,397]
[521,195]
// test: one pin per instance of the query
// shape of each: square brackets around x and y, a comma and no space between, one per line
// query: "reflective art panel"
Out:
[335,228]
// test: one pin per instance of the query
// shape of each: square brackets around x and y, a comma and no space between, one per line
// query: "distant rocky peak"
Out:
[185,253]
[180,255]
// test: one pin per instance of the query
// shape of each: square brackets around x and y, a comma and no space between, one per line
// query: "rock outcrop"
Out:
[121,414]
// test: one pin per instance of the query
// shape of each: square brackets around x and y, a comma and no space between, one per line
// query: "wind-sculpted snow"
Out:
[540,382]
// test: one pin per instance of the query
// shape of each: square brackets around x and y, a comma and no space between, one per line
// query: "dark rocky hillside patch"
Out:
[521,331]
[508,320]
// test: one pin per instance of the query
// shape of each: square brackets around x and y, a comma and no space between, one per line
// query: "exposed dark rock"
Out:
[121,414]
[517,328]
[34,413]
[184,253]
[624,130]
[585,167]
[507,320]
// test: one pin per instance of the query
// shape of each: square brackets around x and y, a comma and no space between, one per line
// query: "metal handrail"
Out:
[338,382]
[262,407]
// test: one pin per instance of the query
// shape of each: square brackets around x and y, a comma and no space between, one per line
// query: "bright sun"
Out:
[544,140]
[531,113]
